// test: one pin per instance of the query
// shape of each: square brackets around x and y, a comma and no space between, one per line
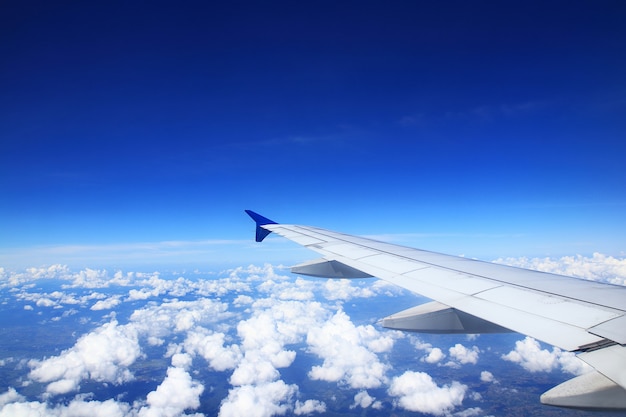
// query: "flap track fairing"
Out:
[435,317]
[324,268]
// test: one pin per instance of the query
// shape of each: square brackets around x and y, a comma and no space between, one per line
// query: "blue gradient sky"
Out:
[484,128]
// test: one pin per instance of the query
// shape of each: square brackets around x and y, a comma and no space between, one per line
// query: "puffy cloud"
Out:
[45,302]
[530,356]
[211,347]
[255,368]
[463,354]
[243,300]
[16,406]
[14,279]
[309,407]
[363,399]
[416,391]
[106,304]
[92,278]
[254,342]
[142,294]
[434,356]
[263,400]
[181,360]
[177,316]
[177,393]
[273,324]
[486,376]
[102,355]
[470,412]
[300,289]
[348,352]
[10,396]
[343,289]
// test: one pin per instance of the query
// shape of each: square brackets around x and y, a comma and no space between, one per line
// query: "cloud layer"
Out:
[253,334]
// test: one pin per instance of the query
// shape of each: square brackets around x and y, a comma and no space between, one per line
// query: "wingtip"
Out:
[261,233]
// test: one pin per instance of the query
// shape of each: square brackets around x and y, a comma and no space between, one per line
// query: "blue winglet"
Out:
[260,221]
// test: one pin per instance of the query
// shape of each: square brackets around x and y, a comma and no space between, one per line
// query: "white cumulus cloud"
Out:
[486,376]
[364,400]
[17,407]
[177,393]
[106,304]
[211,346]
[598,267]
[530,356]
[309,407]
[416,391]
[262,400]
[348,352]
[434,356]
[464,355]
[102,355]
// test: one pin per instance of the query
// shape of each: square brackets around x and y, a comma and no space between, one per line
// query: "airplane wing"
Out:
[470,296]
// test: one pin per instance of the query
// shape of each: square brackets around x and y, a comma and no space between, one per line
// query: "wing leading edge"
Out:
[471,296]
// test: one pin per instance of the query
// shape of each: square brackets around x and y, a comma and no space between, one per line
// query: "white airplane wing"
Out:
[470,296]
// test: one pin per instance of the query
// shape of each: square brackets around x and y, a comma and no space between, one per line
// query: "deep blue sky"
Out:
[499,125]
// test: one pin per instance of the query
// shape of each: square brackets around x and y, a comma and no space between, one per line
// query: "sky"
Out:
[138,132]
[133,135]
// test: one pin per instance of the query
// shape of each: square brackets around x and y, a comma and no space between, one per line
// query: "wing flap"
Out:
[612,329]
[610,361]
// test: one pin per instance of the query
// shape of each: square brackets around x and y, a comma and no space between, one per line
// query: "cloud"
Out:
[434,354]
[470,412]
[160,320]
[309,407]
[273,324]
[106,304]
[263,400]
[364,400]
[102,355]
[416,391]
[598,267]
[177,393]
[530,356]
[243,300]
[254,325]
[486,376]
[464,355]
[76,407]
[342,289]
[10,396]
[349,352]
[211,346]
